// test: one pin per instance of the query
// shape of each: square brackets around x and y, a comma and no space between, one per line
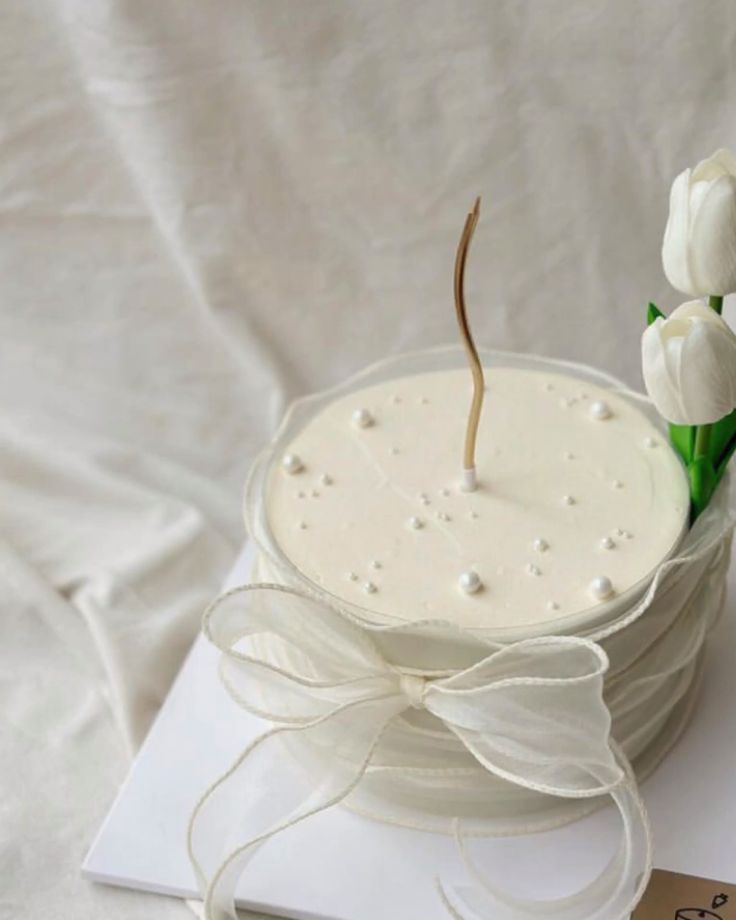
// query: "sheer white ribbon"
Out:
[531,713]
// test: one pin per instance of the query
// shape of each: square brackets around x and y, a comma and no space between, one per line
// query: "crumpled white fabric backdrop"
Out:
[209,207]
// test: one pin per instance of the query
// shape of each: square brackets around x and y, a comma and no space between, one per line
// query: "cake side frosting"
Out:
[580,497]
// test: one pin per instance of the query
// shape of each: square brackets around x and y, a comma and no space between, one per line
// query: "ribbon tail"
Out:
[240,811]
[613,895]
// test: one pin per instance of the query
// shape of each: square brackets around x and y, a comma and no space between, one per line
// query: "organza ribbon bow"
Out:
[531,713]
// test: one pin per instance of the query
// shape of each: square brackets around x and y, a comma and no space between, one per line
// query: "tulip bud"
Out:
[689,364]
[699,248]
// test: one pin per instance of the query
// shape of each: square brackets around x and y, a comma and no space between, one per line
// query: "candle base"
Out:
[469,482]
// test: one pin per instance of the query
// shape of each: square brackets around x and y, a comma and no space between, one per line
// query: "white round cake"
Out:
[579,499]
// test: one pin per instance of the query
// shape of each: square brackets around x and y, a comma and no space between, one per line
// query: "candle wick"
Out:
[469,481]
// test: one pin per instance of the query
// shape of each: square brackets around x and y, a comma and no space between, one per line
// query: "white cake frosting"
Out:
[580,497]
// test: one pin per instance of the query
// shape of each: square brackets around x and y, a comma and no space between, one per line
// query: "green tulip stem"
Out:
[715,301]
[702,440]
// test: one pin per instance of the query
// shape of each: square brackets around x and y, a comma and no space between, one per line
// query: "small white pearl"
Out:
[533,569]
[568,500]
[325,479]
[540,545]
[473,515]
[649,442]
[362,418]
[607,543]
[469,582]
[315,493]
[443,516]
[444,493]
[600,410]
[291,463]
[301,494]
[352,576]
[617,484]
[393,451]
[396,400]
[302,525]
[568,455]
[553,605]
[375,564]
[424,498]
[415,523]
[423,400]
[370,588]
[549,386]
[601,587]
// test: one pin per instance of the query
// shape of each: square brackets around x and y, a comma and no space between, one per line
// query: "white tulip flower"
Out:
[689,364]
[699,248]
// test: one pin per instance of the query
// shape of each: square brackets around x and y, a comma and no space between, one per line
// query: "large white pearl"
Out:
[540,545]
[601,587]
[291,463]
[362,418]
[600,410]
[469,582]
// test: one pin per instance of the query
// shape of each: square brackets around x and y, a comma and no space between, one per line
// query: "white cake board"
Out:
[338,866]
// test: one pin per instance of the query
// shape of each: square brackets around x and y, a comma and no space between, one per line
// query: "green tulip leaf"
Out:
[703,482]
[683,440]
[725,457]
[721,435]
[653,312]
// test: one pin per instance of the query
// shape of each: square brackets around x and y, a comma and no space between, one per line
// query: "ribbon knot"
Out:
[531,713]
[413,687]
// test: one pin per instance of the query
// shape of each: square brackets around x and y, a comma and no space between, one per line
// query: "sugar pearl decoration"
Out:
[370,588]
[443,516]
[600,410]
[469,582]
[415,523]
[325,479]
[375,564]
[553,605]
[607,543]
[540,545]
[649,442]
[601,587]
[362,418]
[292,463]
[532,569]
[568,500]
[352,576]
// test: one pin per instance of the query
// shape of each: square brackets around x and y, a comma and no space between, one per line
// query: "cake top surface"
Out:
[580,497]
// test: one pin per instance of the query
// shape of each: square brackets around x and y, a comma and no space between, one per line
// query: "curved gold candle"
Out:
[469,480]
